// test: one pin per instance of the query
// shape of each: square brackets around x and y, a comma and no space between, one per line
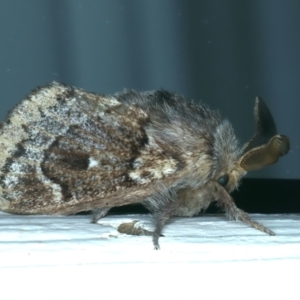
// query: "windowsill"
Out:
[207,257]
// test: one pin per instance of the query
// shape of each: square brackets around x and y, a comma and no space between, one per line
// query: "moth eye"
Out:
[223,180]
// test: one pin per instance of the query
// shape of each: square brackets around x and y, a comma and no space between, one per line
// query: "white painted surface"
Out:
[208,257]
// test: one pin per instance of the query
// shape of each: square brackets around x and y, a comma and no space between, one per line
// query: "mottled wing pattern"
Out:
[64,150]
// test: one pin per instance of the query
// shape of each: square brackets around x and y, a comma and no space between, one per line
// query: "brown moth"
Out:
[65,150]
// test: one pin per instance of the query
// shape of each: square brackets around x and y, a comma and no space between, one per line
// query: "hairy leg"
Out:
[234,213]
[163,206]
[99,213]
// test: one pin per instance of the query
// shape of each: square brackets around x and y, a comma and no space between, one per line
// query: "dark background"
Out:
[222,52]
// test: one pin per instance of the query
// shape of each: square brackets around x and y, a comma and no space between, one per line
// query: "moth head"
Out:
[262,150]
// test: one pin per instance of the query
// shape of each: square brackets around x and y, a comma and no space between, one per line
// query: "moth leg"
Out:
[161,219]
[237,214]
[99,213]
[163,207]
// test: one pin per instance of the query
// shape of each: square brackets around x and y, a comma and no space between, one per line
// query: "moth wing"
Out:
[64,150]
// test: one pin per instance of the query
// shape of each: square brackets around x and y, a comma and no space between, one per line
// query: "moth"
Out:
[65,150]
